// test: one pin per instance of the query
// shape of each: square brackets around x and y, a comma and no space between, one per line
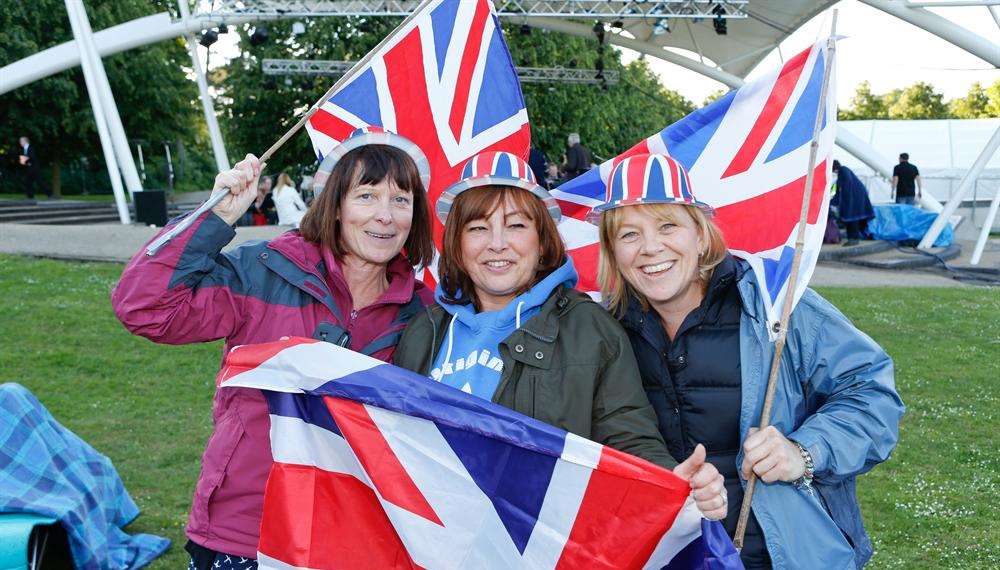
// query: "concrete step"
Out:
[907,258]
[836,251]
[69,219]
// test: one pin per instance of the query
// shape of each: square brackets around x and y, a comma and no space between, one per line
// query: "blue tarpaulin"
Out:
[47,470]
[902,222]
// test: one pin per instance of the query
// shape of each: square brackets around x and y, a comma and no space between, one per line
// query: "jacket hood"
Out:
[530,300]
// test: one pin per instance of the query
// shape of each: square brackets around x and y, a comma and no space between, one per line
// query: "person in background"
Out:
[509,327]
[262,208]
[347,277]
[907,187]
[288,202]
[28,161]
[539,165]
[578,158]
[696,321]
[852,203]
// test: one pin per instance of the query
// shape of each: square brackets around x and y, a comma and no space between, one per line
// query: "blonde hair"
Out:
[285,180]
[615,290]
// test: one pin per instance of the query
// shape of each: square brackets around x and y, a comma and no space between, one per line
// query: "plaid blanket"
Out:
[46,469]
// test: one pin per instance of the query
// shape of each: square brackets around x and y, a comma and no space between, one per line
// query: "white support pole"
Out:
[102,126]
[995,12]
[218,145]
[122,150]
[943,28]
[967,181]
[984,234]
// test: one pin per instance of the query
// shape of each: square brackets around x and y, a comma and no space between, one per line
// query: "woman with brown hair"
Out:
[509,327]
[696,323]
[347,277]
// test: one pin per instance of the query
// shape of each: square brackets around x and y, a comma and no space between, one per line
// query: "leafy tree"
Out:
[918,101]
[864,105]
[972,106]
[609,121]
[993,99]
[714,96]
[155,99]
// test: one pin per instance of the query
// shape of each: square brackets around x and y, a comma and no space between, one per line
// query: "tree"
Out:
[864,105]
[609,121]
[972,106]
[156,100]
[918,101]
[993,99]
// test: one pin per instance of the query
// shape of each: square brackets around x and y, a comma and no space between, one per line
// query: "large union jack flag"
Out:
[378,467]
[747,155]
[444,80]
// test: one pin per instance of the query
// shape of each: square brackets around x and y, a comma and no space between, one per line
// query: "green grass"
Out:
[148,407]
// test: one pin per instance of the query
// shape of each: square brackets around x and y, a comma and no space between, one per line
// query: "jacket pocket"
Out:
[219,452]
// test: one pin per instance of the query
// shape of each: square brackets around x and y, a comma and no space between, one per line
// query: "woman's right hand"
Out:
[241,181]
[707,484]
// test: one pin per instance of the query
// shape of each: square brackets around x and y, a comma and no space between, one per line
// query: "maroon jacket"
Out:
[258,292]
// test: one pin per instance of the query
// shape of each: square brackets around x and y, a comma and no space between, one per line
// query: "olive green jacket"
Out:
[570,366]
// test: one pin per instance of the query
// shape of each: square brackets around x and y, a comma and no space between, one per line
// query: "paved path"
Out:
[115,242]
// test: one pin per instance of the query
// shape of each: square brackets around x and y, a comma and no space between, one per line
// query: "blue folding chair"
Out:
[32,542]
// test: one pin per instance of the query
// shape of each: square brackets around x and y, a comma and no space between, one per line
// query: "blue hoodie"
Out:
[469,359]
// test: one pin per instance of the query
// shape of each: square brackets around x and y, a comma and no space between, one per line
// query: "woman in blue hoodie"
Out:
[509,327]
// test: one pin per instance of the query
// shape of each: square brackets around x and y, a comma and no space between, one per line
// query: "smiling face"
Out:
[657,251]
[375,221]
[500,254]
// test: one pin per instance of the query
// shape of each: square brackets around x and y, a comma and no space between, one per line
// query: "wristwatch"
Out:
[805,481]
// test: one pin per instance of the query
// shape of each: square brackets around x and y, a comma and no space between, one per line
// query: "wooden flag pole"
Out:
[214,200]
[786,308]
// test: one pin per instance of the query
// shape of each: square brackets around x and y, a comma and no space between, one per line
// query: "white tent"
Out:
[943,150]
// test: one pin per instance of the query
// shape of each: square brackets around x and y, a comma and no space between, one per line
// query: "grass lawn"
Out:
[933,505]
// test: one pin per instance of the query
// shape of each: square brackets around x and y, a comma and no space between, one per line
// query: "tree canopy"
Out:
[921,101]
[157,102]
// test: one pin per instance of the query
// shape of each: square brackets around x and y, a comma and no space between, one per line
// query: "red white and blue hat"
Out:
[371,135]
[647,179]
[496,168]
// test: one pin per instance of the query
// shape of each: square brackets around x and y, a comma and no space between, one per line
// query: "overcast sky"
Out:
[879,48]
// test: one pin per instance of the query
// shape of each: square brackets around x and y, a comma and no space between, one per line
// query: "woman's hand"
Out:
[772,456]
[242,183]
[707,485]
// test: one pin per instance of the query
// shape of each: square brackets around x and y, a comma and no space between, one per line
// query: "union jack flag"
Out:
[747,155]
[378,467]
[444,80]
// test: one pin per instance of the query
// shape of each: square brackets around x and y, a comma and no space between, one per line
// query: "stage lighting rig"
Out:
[208,38]
[662,26]
[259,36]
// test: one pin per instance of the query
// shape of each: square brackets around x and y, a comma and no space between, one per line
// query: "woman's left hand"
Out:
[771,456]
[707,484]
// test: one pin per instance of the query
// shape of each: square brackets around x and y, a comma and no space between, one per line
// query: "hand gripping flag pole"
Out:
[786,309]
[223,192]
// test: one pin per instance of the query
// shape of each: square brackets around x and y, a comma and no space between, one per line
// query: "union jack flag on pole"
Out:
[747,155]
[378,467]
[445,80]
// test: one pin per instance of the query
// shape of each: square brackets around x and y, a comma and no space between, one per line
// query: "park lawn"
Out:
[933,505]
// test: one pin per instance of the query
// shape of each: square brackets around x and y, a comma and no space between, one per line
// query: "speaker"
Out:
[151,207]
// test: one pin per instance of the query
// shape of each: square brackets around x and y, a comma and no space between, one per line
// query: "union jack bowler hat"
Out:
[496,168]
[371,135]
[647,179]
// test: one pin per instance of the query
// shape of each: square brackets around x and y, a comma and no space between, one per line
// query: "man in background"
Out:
[28,161]
[904,175]
[578,157]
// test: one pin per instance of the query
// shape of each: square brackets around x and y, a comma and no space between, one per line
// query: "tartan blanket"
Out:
[46,469]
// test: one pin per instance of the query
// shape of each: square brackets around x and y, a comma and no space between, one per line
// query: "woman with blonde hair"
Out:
[697,324]
[288,202]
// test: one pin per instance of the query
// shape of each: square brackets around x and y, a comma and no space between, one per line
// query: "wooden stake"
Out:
[786,308]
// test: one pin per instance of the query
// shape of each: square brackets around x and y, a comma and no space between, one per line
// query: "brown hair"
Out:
[615,290]
[370,164]
[479,203]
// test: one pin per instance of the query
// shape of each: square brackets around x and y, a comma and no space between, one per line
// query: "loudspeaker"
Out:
[151,207]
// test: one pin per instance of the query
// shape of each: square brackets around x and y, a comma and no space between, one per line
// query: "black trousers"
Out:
[853,230]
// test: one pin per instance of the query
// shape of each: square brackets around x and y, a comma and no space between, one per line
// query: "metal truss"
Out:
[318,67]
[591,9]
